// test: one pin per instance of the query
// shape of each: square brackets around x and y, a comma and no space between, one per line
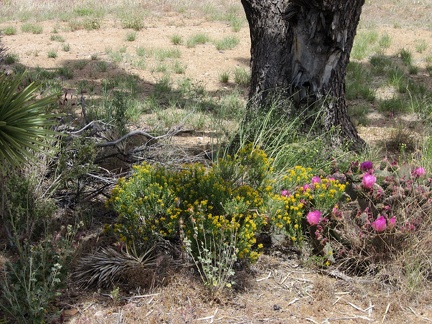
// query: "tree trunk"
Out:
[300,49]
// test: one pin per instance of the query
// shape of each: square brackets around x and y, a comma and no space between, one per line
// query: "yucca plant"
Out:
[24,120]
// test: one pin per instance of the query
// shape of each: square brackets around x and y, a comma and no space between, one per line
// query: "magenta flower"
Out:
[313,217]
[368,181]
[392,222]
[316,179]
[418,172]
[366,166]
[284,193]
[380,224]
[305,187]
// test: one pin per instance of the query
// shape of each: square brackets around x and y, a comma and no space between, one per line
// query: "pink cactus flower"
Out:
[313,217]
[316,179]
[392,222]
[418,172]
[368,181]
[380,224]
[284,193]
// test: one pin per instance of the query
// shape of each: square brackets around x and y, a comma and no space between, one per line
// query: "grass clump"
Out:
[358,82]
[57,38]
[31,28]
[52,54]
[132,21]
[224,77]
[226,43]
[197,39]
[9,30]
[242,76]
[176,39]
[11,58]
[66,47]
[364,44]
[131,36]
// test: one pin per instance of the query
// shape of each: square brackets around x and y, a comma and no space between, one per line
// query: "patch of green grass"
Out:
[52,53]
[358,82]
[176,39]
[92,23]
[224,77]
[131,36]
[9,30]
[66,47]
[364,44]
[84,11]
[421,46]
[179,68]
[57,38]
[75,24]
[139,63]
[11,58]
[123,49]
[141,51]
[226,43]
[242,76]
[413,69]
[405,56]
[384,41]
[101,66]
[31,28]
[161,53]
[197,39]
[393,105]
[236,23]
[132,21]
[381,64]
[160,67]
[81,64]
[65,72]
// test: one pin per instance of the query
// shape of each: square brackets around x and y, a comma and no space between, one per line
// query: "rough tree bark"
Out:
[300,49]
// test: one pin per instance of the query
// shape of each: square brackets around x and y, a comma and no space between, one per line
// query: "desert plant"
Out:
[197,39]
[176,39]
[24,120]
[242,76]
[11,58]
[31,28]
[66,47]
[52,53]
[9,30]
[132,21]
[226,43]
[388,204]
[57,38]
[131,36]
[224,77]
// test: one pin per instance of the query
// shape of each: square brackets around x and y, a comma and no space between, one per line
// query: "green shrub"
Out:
[226,200]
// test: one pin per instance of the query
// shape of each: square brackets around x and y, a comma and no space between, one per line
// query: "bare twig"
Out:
[385,313]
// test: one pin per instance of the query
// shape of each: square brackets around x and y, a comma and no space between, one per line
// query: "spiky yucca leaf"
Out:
[106,267]
[24,120]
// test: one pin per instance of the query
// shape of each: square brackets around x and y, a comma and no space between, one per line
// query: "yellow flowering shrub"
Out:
[226,199]
[301,193]
[145,203]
